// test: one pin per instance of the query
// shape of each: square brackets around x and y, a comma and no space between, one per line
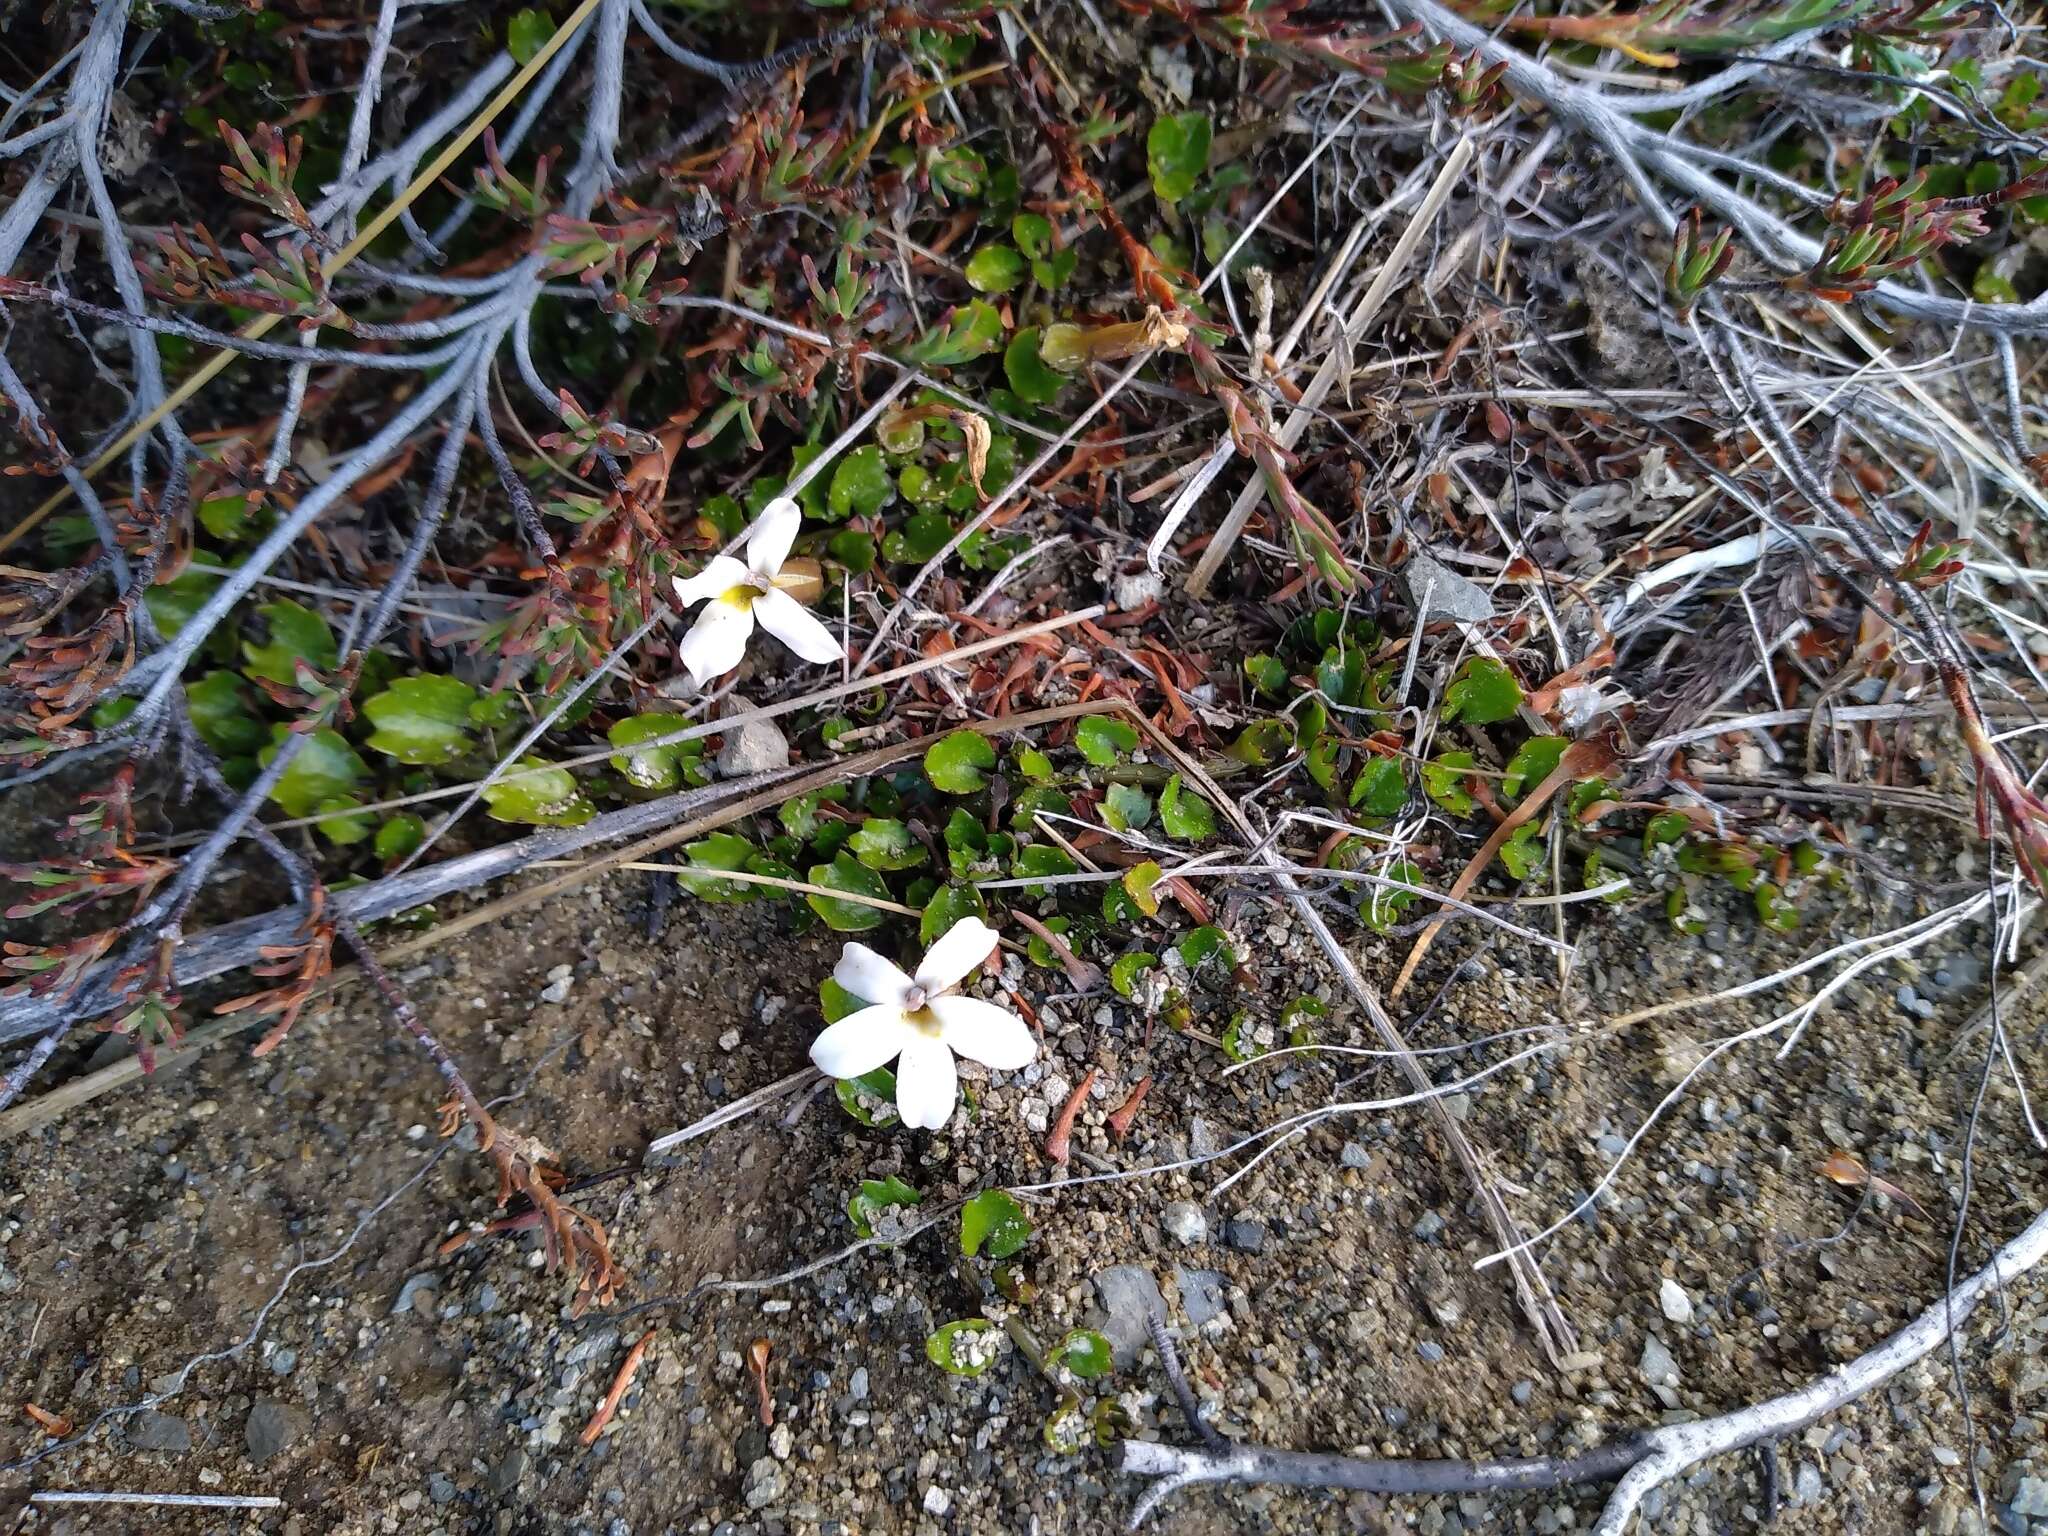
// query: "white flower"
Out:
[917,1022]
[737,595]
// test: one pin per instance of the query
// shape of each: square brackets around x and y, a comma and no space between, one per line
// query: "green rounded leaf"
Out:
[848,874]
[1183,813]
[1034,383]
[876,1196]
[325,769]
[656,768]
[995,269]
[1126,808]
[1381,788]
[538,794]
[1532,763]
[528,34]
[1177,152]
[1103,738]
[869,1098]
[1125,970]
[956,763]
[885,843]
[421,720]
[966,1348]
[297,634]
[223,716]
[399,836]
[860,484]
[1084,1352]
[1482,693]
[993,1220]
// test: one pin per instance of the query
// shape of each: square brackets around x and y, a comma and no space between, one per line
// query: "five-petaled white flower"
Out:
[918,1022]
[739,594]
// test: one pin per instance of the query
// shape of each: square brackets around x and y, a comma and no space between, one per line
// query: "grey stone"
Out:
[504,1477]
[1657,1366]
[1673,1302]
[1807,1487]
[1429,1227]
[1201,1293]
[1185,1223]
[2031,1497]
[1448,595]
[755,747]
[282,1361]
[272,1427]
[440,1487]
[764,1482]
[1130,1299]
[1354,1156]
[158,1432]
[1521,1392]
[410,1298]
[1246,1236]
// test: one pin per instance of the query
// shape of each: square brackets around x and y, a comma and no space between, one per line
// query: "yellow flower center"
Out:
[742,596]
[925,1022]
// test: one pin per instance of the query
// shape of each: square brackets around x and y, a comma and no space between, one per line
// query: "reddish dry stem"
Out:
[1057,1143]
[757,1362]
[620,1383]
[1120,1120]
[55,1425]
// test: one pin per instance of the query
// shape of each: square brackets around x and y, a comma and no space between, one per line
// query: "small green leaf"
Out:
[1263,742]
[885,843]
[1183,813]
[538,794]
[1038,860]
[1522,854]
[922,536]
[1206,943]
[1034,383]
[1176,154]
[297,634]
[848,874]
[1383,905]
[1665,827]
[1125,970]
[994,1220]
[853,548]
[860,484]
[1033,764]
[528,34]
[876,1196]
[1381,788]
[326,768]
[1482,693]
[1084,1352]
[653,768]
[1772,909]
[222,715]
[1102,739]
[995,269]
[1443,780]
[1039,798]
[869,1098]
[173,604]
[948,905]
[956,763]
[1533,762]
[1268,674]
[1033,234]
[1139,880]
[1126,808]
[399,836]
[966,1348]
[421,720]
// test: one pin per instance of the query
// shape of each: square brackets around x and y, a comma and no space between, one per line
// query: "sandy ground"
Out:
[1327,1300]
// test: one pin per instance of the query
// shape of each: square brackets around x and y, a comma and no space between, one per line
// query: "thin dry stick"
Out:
[1553,1329]
[1327,375]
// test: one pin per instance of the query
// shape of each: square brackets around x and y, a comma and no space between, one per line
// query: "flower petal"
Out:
[983,1032]
[871,977]
[721,574]
[717,642]
[926,1084]
[862,1041]
[796,627]
[768,541]
[960,949]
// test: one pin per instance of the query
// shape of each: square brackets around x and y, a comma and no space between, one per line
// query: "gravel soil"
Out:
[1325,1300]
